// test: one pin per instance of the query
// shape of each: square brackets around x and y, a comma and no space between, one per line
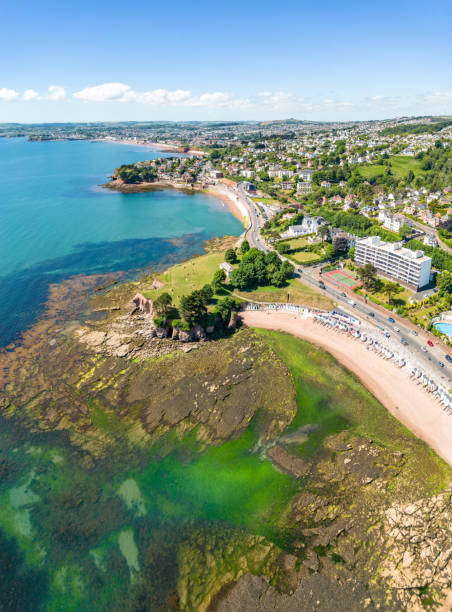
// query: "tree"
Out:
[324,232]
[230,256]
[218,280]
[391,289]
[444,284]
[193,307]
[207,293]
[329,251]
[245,246]
[224,309]
[351,253]
[162,304]
[405,231]
[367,275]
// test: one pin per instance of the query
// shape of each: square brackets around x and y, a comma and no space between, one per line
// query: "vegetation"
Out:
[259,269]
[416,128]
[131,173]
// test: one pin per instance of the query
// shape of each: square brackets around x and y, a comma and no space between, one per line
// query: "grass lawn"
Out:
[298,243]
[187,276]
[298,292]
[400,166]
[304,257]
[331,397]
[399,300]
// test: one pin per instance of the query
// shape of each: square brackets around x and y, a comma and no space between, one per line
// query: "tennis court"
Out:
[342,278]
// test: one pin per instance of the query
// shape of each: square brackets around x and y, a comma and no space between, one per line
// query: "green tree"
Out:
[207,293]
[245,246]
[218,280]
[329,251]
[444,284]
[391,289]
[193,307]
[162,304]
[351,253]
[324,232]
[367,275]
[405,231]
[224,309]
[230,256]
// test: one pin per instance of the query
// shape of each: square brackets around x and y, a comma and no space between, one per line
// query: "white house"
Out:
[310,225]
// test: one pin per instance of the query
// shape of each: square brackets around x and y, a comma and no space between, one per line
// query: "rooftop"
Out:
[377,242]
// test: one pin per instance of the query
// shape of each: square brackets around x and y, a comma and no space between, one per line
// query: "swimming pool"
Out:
[444,327]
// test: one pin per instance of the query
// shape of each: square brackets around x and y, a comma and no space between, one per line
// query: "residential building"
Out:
[392,259]
[391,222]
[306,174]
[304,187]
[309,225]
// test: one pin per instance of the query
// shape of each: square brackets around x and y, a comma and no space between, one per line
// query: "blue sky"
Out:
[248,59]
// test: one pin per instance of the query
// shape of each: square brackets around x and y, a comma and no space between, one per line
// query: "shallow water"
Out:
[56,220]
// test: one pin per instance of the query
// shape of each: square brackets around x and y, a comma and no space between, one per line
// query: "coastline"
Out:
[226,198]
[154,145]
[405,400]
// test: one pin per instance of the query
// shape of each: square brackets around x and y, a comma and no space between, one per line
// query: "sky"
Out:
[236,60]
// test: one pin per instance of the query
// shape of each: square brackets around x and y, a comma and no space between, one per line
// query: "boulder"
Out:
[139,302]
[198,333]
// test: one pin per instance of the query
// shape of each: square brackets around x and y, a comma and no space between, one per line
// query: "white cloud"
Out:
[56,93]
[437,98]
[8,94]
[120,92]
[30,94]
[103,93]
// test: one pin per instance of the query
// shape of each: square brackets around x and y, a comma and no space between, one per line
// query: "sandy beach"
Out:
[405,400]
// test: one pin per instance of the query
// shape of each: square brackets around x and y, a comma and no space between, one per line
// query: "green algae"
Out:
[129,551]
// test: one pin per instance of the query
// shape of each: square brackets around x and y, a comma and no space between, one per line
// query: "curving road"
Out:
[428,360]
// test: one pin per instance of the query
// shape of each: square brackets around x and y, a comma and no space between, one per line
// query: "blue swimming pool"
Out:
[444,327]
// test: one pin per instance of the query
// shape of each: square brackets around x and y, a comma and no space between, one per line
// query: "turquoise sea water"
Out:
[444,327]
[56,220]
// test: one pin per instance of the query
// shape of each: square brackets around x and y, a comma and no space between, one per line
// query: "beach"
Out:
[405,400]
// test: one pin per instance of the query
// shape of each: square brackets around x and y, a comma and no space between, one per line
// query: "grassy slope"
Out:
[298,292]
[187,276]
[400,166]
[332,397]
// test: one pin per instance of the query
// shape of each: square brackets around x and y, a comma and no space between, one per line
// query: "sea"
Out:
[56,220]
[98,520]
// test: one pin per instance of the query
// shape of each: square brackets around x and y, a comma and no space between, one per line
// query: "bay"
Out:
[56,220]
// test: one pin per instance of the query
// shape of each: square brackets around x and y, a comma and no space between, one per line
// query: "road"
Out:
[429,360]
[426,229]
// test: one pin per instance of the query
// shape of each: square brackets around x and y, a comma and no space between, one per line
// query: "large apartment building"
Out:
[392,259]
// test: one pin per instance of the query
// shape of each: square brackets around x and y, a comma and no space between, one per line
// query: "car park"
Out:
[423,349]
[391,320]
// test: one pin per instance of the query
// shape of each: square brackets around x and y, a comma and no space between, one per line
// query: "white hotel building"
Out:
[392,259]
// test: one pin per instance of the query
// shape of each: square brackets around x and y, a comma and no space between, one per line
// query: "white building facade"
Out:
[392,259]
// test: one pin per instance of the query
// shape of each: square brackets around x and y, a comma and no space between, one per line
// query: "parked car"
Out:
[343,294]
[403,341]
[449,358]
[430,343]
[387,334]
[396,329]
[424,349]
[371,314]
[352,302]
[414,332]
[441,364]
[391,320]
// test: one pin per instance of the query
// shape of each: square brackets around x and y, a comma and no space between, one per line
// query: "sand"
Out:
[392,386]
